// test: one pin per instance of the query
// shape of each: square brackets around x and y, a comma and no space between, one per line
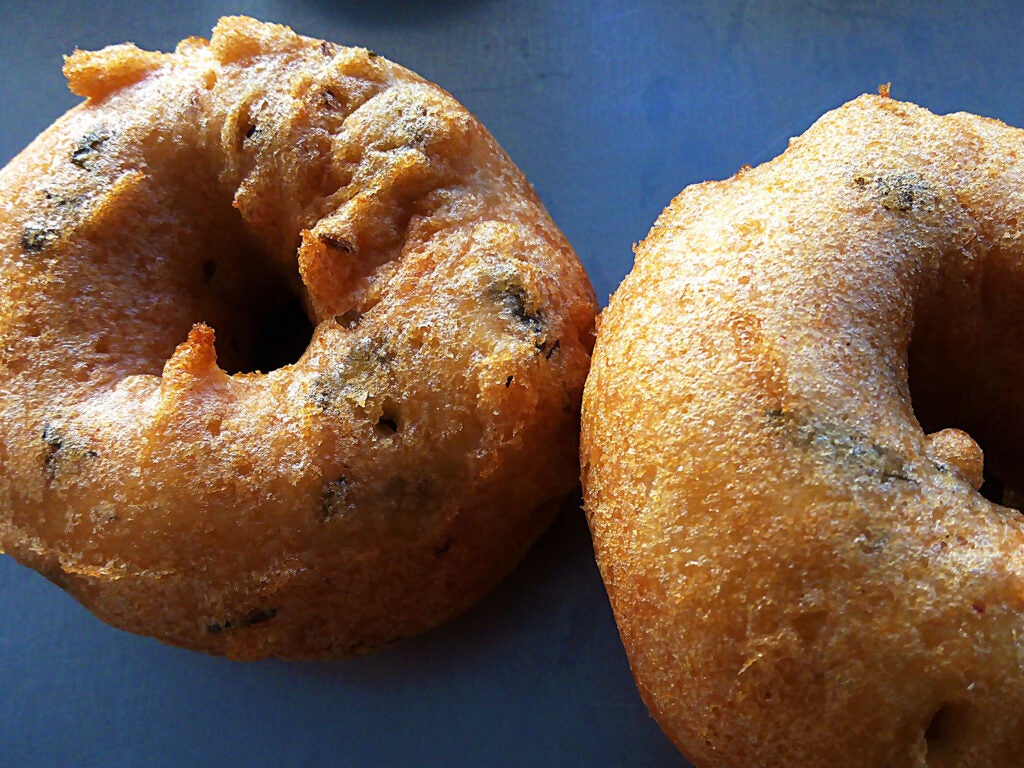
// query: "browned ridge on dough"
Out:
[782,445]
[291,356]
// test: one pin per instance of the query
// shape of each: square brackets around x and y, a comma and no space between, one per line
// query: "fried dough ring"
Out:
[374,488]
[801,575]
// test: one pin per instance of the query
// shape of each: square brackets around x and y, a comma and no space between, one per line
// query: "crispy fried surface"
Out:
[156,239]
[801,576]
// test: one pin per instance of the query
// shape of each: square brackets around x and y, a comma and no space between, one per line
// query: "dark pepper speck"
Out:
[334,498]
[336,243]
[87,149]
[54,444]
[37,236]
[259,616]
[901,191]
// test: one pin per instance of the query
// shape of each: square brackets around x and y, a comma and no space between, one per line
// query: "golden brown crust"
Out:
[801,576]
[372,489]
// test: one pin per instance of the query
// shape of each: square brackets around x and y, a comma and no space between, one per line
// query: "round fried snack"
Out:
[802,575]
[388,416]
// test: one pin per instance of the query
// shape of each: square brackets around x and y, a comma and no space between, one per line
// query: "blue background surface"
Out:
[610,108]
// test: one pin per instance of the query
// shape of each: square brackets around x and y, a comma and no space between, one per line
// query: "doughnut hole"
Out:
[948,734]
[152,255]
[256,307]
[282,335]
[966,368]
[257,313]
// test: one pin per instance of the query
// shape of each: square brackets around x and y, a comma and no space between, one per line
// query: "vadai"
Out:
[782,449]
[291,355]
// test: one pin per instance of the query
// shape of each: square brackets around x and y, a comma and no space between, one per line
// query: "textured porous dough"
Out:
[803,576]
[207,492]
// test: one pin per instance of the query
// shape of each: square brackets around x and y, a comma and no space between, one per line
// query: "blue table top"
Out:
[610,108]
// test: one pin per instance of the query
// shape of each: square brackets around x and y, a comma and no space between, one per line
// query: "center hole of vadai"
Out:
[965,373]
[252,298]
[258,315]
[193,259]
[281,336]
